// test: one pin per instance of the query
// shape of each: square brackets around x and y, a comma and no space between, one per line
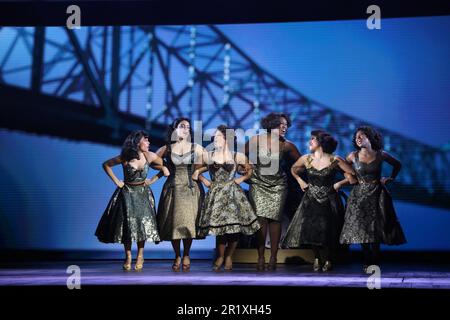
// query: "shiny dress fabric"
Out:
[370,216]
[226,209]
[319,217]
[268,192]
[130,214]
[181,198]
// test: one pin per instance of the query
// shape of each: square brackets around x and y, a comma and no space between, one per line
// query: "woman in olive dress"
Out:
[370,218]
[130,214]
[268,184]
[226,211]
[319,217]
[181,197]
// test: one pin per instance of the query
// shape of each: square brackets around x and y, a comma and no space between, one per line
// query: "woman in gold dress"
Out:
[181,197]
[226,211]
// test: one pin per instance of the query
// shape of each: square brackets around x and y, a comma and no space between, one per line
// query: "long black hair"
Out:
[375,138]
[130,148]
[173,126]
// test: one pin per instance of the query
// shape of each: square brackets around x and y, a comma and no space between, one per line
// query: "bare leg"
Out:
[186,249]
[221,243]
[187,243]
[232,240]
[317,258]
[140,256]
[261,240]
[127,263]
[275,235]
[176,248]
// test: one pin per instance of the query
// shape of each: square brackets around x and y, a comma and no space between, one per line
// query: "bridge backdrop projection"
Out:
[99,83]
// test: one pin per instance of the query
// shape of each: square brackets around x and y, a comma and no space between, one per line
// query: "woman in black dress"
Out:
[318,219]
[130,214]
[370,218]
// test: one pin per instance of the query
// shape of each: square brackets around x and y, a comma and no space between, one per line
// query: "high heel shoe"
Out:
[218,264]
[327,266]
[228,264]
[139,263]
[272,266]
[261,265]
[186,266]
[176,264]
[127,264]
[316,265]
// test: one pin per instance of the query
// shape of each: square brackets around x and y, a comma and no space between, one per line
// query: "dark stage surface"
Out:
[159,273]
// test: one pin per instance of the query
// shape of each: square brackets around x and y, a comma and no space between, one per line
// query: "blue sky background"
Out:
[53,191]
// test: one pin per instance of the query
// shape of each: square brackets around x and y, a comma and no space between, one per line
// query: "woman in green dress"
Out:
[268,183]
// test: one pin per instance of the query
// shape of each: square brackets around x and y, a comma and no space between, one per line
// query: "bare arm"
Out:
[350,160]
[299,165]
[242,160]
[107,166]
[201,166]
[348,173]
[293,152]
[396,167]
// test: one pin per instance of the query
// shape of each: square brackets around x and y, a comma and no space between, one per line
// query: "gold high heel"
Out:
[186,266]
[127,265]
[228,266]
[316,265]
[176,264]
[327,266]
[217,266]
[139,263]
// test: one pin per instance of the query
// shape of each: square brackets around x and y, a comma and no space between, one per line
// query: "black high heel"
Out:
[272,266]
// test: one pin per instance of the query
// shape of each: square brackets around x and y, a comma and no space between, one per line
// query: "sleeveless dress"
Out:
[370,216]
[226,209]
[130,214]
[318,219]
[181,198]
[268,190]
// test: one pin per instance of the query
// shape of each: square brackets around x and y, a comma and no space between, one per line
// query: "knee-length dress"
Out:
[130,214]
[268,190]
[370,216]
[226,209]
[318,219]
[181,198]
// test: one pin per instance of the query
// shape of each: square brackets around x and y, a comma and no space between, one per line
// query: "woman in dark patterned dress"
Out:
[370,218]
[318,220]
[130,214]
[226,211]
[268,183]
[181,197]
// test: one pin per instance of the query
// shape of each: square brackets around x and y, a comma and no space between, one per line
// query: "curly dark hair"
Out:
[326,140]
[375,138]
[130,148]
[173,126]
[273,120]
[229,135]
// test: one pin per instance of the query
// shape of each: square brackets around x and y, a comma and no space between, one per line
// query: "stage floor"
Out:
[158,272]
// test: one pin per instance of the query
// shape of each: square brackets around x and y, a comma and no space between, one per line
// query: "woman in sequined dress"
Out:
[370,217]
[130,214]
[318,220]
